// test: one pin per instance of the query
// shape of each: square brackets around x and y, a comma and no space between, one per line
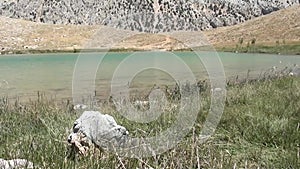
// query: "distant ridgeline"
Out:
[143,15]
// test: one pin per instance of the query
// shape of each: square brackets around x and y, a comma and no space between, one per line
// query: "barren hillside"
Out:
[17,34]
[283,25]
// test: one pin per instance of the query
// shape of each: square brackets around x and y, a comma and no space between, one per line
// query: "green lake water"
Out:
[25,75]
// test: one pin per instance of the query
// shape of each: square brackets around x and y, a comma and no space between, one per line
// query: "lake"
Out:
[25,75]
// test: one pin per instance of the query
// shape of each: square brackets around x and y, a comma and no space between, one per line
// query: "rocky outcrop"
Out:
[143,15]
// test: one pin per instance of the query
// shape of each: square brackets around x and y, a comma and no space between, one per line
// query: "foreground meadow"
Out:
[259,129]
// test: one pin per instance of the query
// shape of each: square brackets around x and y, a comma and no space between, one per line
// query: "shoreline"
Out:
[292,49]
[286,49]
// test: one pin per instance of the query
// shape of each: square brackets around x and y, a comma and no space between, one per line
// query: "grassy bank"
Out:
[285,49]
[259,128]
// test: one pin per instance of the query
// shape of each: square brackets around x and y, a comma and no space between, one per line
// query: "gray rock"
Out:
[15,164]
[92,127]
[216,22]
[229,20]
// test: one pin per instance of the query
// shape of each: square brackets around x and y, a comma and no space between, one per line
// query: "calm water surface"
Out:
[24,75]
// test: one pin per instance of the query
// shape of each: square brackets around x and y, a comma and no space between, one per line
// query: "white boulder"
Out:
[93,127]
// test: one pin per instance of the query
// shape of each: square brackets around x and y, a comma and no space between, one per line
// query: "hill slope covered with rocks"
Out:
[143,15]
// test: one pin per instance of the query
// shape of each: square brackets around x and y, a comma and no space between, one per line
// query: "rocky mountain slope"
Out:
[143,15]
[282,26]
